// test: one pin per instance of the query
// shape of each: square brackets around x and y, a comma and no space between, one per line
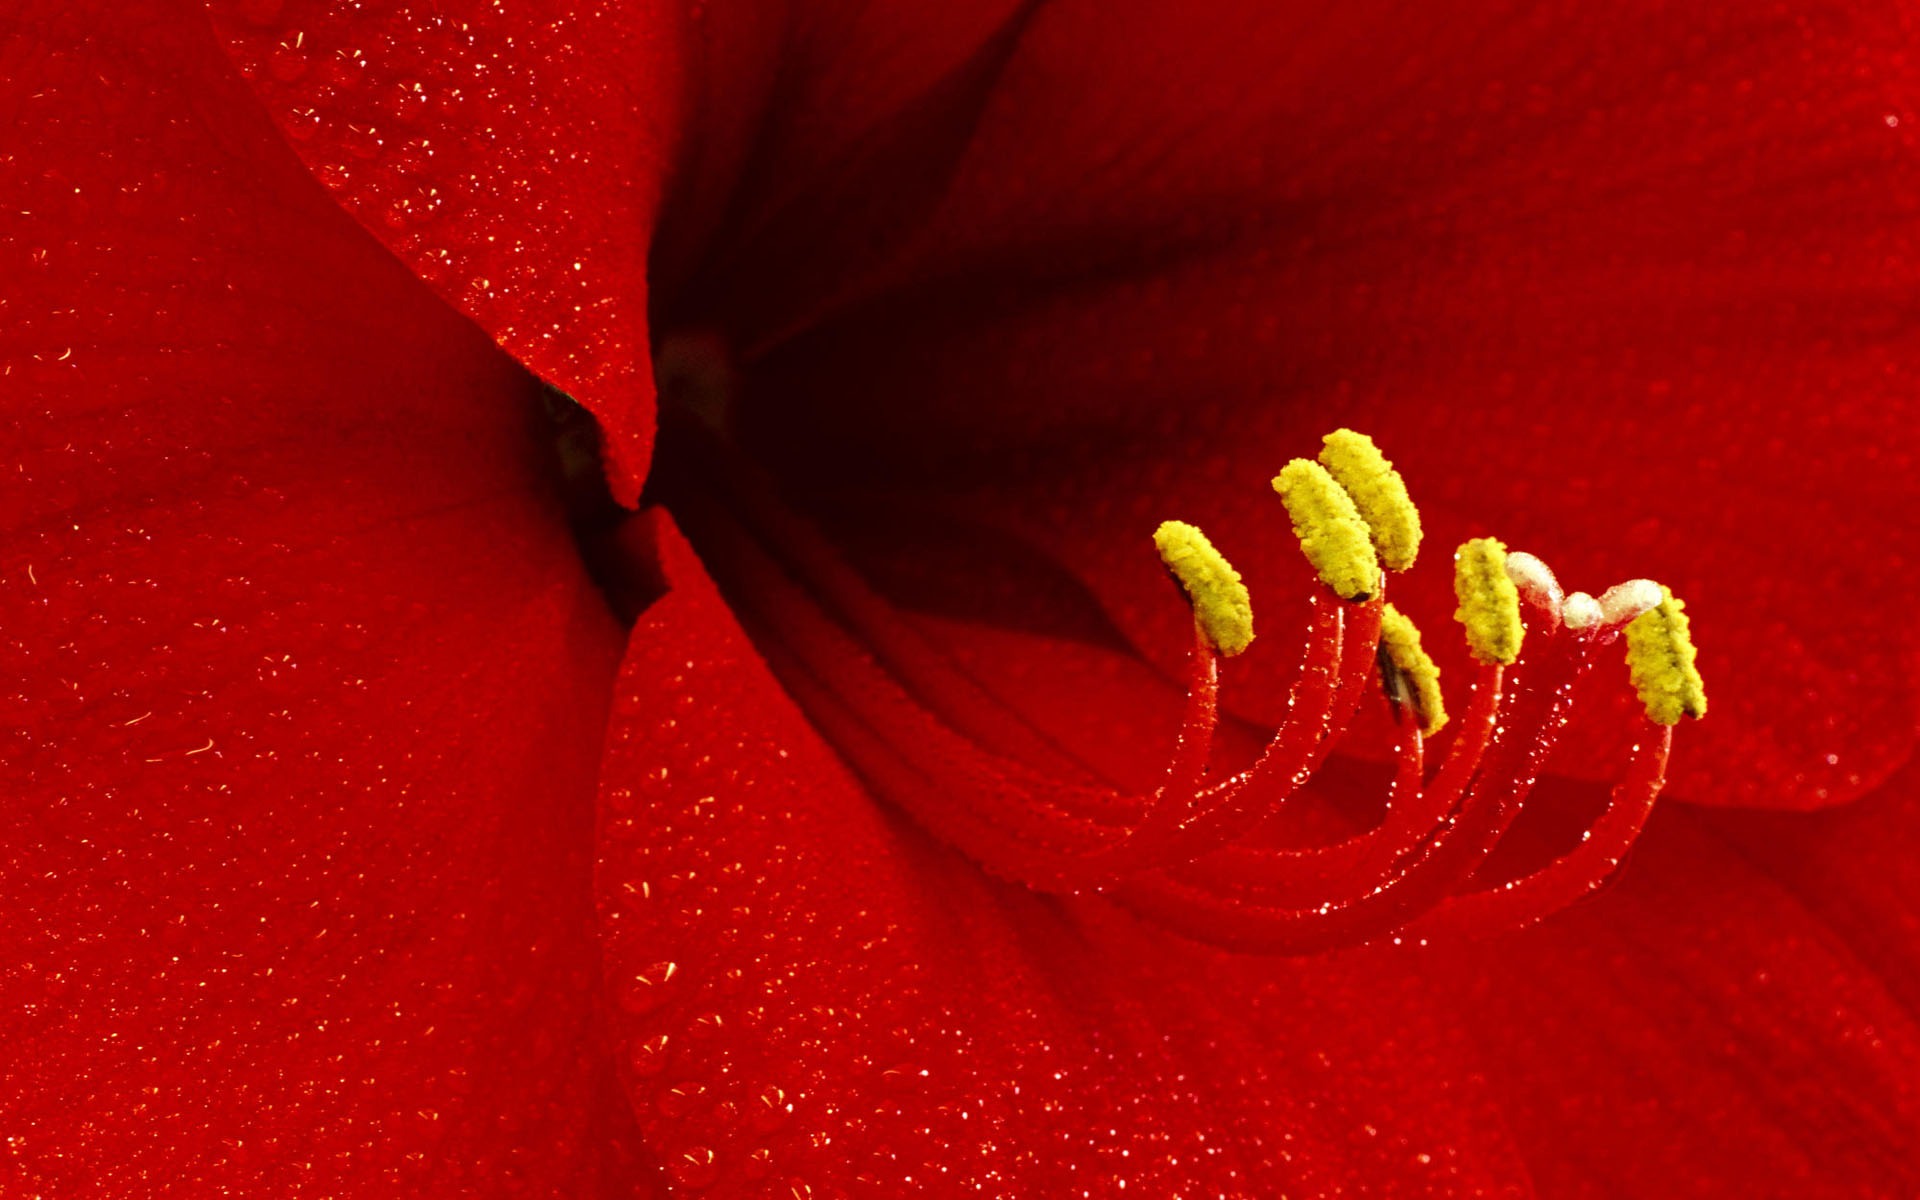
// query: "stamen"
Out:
[1221,606]
[1209,856]
[1489,601]
[1414,681]
[1205,902]
[1378,493]
[1319,706]
[1660,658]
[1305,878]
[1336,541]
[1524,901]
[1659,652]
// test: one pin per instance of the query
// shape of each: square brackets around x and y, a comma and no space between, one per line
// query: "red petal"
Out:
[513,158]
[1850,870]
[1619,283]
[1740,1011]
[814,996]
[305,682]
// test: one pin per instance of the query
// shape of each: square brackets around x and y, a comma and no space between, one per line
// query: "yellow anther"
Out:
[1378,492]
[1489,602]
[1329,528]
[1412,679]
[1220,601]
[1660,658]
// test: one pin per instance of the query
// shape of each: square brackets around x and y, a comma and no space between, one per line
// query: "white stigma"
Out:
[1535,580]
[1581,611]
[1624,602]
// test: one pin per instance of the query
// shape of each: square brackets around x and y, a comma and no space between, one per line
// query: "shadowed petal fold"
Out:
[1629,287]
[513,156]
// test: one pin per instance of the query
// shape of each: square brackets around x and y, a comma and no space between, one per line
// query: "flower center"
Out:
[1200,852]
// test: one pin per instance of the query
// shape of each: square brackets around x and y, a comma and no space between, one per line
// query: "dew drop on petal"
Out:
[694,1167]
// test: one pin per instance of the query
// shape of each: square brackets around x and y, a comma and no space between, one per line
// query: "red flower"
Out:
[306,886]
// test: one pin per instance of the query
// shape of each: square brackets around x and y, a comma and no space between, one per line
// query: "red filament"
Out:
[1198,855]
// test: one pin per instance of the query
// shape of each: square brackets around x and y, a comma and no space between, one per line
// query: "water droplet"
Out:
[903,1078]
[649,988]
[771,1109]
[678,1100]
[286,63]
[649,1055]
[346,69]
[361,141]
[302,123]
[694,1167]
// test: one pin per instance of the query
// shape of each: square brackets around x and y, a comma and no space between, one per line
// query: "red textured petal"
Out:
[513,156]
[304,682]
[1850,869]
[1621,284]
[818,1000]
[1740,1011]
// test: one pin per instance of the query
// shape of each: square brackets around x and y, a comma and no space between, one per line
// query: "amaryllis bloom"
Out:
[581,615]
